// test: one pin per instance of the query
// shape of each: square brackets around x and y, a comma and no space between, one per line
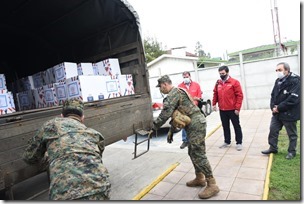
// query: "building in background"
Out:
[178,60]
[264,51]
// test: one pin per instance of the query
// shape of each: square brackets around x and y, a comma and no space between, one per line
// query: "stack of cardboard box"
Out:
[87,81]
[7,104]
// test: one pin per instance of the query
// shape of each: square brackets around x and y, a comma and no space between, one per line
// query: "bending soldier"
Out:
[74,155]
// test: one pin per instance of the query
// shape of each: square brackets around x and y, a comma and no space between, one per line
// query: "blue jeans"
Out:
[184,136]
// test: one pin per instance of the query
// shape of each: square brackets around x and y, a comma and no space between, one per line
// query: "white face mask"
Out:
[186,80]
[280,74]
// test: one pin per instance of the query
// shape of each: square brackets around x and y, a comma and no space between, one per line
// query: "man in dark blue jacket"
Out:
[285,106]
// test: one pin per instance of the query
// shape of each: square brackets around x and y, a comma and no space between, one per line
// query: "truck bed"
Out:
[37,36]
[115,118]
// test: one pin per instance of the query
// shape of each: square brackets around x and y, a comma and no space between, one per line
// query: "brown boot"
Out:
[211,189]
[198,181]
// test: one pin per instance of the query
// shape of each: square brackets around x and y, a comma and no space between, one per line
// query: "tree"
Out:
[200,52]
[153,49]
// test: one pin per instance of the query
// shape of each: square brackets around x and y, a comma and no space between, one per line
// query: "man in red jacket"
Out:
[195,92]
[229,96]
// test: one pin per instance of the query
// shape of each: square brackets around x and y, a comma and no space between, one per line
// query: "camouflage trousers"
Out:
[196,133]
[99,196]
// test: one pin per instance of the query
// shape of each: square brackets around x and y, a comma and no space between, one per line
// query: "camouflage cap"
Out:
[163,79]
[73,106]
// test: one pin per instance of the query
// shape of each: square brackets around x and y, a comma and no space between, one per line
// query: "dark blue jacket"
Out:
[286,95]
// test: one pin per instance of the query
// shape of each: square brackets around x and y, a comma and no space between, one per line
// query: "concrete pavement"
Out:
[161,173]
[129,177]
[240,175]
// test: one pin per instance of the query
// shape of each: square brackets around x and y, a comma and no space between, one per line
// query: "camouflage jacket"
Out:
[176,99]
[75,158]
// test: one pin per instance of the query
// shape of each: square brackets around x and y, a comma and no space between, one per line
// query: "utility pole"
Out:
[276,26]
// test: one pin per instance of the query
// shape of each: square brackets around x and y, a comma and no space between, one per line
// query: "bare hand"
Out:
[214,108]
[275,109]
[236,112]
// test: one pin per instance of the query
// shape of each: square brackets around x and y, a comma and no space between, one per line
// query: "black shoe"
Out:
[269,151]
[185,144]
[290,156]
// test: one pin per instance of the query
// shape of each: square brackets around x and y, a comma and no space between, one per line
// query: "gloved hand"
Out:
[170,136]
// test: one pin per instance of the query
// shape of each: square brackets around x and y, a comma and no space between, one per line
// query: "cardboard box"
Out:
[25,100]
[50,74]
[64,71]
[27,83]
[39,99]
[61,92]
[85,69]
[92,88]
[126,85]
[95,69]
[112,86]
[7,104]
[50,95]
[38,80]
[45,78]
[2,82]
[108,67]
[12,109]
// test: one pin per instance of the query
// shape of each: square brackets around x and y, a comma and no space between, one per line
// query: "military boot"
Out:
[211,189]
[198,181]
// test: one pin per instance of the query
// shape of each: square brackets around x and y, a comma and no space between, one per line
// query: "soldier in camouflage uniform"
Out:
[196,131]
[74,155]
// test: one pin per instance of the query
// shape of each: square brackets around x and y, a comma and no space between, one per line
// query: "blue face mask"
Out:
[186,80]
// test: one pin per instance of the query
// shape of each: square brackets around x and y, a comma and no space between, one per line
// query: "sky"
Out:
[220,26]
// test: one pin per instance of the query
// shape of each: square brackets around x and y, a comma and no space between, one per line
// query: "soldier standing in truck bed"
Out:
[74,154]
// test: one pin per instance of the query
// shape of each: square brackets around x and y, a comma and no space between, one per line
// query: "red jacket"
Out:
[194,90]
[228,94]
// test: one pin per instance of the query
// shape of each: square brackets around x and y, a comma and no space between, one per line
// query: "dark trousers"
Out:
[226,116]
[291,129]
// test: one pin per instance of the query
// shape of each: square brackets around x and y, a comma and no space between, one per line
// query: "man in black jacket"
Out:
[285,106]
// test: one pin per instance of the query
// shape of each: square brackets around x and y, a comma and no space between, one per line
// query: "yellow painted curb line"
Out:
[266,185]
[215,129]
[161,177]
[155,182]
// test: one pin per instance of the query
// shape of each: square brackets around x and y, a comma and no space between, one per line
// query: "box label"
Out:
[90,98]
[111,86]
[3,101]
[73,89]
[49,96]
[59,73]
[24,101]
[1,83]
[61,94]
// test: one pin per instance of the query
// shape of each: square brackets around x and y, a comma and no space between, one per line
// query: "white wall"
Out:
[260,77]
[257,84]
[170,65]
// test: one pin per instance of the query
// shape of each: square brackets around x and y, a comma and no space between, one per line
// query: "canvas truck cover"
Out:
[37,35]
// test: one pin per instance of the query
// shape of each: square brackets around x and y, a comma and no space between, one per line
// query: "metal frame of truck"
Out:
[40,34]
